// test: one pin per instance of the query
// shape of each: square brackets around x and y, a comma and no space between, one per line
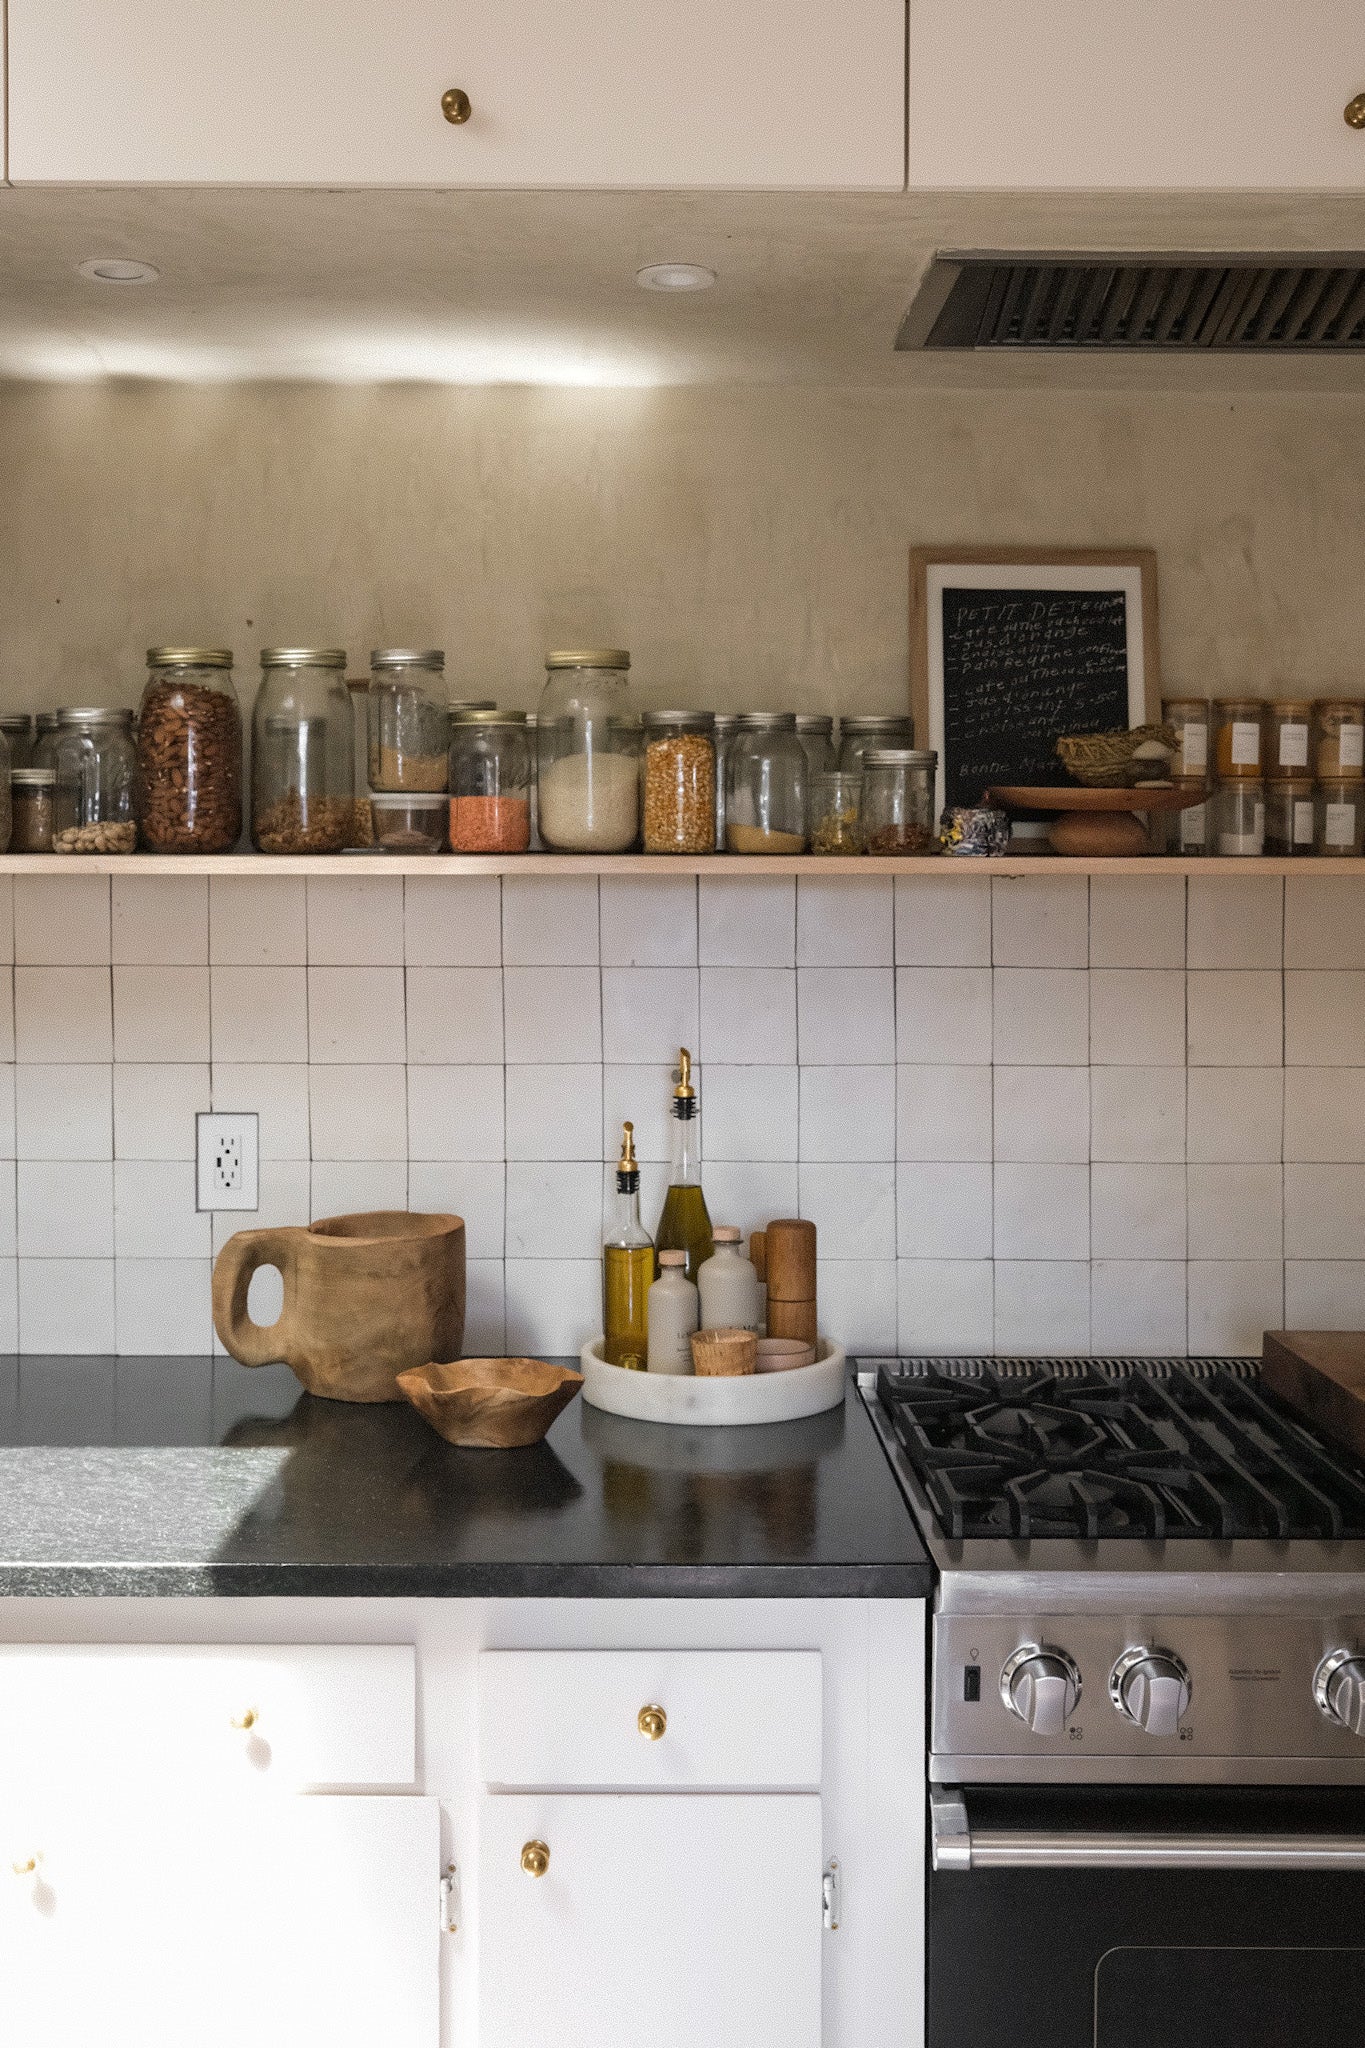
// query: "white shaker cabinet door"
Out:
[1156,94]
[763,93]
[667,1919]
[251,1925]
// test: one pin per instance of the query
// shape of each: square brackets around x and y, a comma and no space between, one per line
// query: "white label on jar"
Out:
[1351,743]
[1293,746]
[1246,743]
[1303,822]
[1194,748]
[1338,824]
[1192,825]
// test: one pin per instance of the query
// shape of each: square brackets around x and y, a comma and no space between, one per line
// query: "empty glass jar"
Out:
[95,763]
[189,752]
[872,729]
[408,719]
[302,797]
[817,737]
[898,800]
[587,743]
[490,782]
[765,785]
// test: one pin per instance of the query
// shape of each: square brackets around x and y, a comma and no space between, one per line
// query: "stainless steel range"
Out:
[1147,1716]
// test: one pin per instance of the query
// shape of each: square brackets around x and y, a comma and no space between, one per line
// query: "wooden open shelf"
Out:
[827,869]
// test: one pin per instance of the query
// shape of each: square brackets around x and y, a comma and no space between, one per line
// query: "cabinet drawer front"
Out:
[298,1716]
[572,1718]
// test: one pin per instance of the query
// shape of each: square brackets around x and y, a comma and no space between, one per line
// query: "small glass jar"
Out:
[836,817]
[678,782]
[302,777]
[587,746]
[1289,730]
[490,781]
[726,724]
[410,821]
[866,730]
[765,785]
[1238,739]
[1190,718]
[898,800]
[95,762]
[816,730]
[1187,830]
[1339,823]
[33,802]
[189,752]
[1339,747]
[1289,817]
[409,732]
[17,727]
[1239,818]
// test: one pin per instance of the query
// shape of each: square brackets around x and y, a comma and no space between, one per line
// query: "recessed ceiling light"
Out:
[118,270]
[675,277]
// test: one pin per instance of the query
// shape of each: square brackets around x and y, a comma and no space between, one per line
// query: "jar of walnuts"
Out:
[678,781]
[189,752]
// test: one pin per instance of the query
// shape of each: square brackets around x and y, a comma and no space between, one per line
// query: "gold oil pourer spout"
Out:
[627,1163]
[684,1092]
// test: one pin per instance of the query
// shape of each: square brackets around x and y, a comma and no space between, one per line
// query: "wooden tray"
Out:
[1322,1374]
[1096,822]
[712,1404]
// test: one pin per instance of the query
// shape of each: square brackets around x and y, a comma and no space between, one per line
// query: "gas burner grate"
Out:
[1090,1448]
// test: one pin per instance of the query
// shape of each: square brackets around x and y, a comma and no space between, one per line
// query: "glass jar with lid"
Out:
[1288,731]
[94,759]
[302,795]
[872,729]
[587,745]
[817,737]
[898,800]
[1339,824]
[409,731]
[1289,816]
[1187,830]
[32,799]
[678,782]
[17,727]
[1238,738]
[490,781]
[1239,817]
[189,752]
[765,785]
[1189,717]
[1339,751]
[836,813]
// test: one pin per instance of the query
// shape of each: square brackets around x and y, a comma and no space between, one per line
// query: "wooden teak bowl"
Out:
[499,1404]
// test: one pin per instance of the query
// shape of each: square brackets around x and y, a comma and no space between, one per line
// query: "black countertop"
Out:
[196,1476]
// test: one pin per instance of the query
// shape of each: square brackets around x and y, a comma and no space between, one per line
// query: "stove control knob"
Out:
[1042,1686]
[1339,1689]
[1151,1688]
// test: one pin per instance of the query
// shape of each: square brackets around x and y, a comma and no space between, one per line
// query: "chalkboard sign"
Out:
[1011,649]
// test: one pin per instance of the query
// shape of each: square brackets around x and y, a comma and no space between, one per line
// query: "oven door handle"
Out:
[957,1847]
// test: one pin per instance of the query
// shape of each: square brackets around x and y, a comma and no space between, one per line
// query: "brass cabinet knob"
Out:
[456,108]
[1354,112]
[535,1859]
[25,1869]
[246,1720]
[651,1722]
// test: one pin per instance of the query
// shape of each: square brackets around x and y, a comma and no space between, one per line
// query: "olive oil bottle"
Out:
[684,1225]
[627,1268]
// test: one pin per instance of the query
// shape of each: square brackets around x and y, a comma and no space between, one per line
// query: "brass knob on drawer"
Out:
[246,1720]
[651,1722]
[455,106]
[535,1859]
[25,1869]
[1354,111]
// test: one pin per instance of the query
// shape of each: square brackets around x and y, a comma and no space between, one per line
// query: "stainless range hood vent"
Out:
[1015,301]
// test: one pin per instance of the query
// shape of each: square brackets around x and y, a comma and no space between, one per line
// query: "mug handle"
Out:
[252,1343]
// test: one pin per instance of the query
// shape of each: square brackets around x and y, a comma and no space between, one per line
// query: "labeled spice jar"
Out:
[836,818]
[33,802]
[898,800]
[410,821]
[871,729]
[816,730]
[678,782]
[302,794]
[189,752]
[1187,830]
[765,785]
[1339,749]
[587,744]
[1238,735]
[95,762]
[490,781]
[408,719]
[1339,823]
[1189,718]
[1289,816]
[1289,729]
[17,728]
[1239,818]
[726,724]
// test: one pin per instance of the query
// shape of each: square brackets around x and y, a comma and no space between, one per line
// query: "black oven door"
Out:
[1101,1917]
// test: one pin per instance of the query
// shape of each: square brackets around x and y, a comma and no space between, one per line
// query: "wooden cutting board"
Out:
[1322,1374]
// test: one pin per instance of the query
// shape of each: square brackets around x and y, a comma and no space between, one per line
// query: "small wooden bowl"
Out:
[724,1354]
[783,1354]
[498,1404]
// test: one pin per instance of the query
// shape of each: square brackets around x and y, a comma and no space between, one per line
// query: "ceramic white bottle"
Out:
[728,1285]
[673,1311]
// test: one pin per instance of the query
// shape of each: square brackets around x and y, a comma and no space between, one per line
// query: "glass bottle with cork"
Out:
[684,1224]
[627,1268]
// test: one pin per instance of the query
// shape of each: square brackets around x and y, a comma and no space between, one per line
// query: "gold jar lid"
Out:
[1347,707]
[1255,705]
[1289,785]
[1170,704]
[588,657]
[487,715]
[1291,707]
[189,657]
[303,657]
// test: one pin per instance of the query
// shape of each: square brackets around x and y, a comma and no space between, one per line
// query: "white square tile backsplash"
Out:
[1026,1115]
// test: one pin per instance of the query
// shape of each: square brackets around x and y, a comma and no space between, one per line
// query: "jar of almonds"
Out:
[678,781]
[189,752]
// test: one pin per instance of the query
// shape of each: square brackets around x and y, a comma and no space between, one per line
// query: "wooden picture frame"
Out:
[937,570]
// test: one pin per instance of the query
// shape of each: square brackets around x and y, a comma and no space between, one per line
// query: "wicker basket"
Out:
[1106,760]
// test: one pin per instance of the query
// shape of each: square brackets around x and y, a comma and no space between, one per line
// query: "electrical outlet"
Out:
[226,1150]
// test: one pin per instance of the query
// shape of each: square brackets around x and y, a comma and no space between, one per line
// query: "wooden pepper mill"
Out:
[789,1245]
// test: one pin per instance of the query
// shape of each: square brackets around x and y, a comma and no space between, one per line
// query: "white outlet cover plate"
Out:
[213,1130]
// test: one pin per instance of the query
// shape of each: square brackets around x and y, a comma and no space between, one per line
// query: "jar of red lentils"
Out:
[490,782]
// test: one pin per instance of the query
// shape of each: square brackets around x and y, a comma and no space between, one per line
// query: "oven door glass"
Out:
[1100,1918]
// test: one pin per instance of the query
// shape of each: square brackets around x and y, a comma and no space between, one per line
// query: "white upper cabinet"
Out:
[759,93]
[1131,94]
